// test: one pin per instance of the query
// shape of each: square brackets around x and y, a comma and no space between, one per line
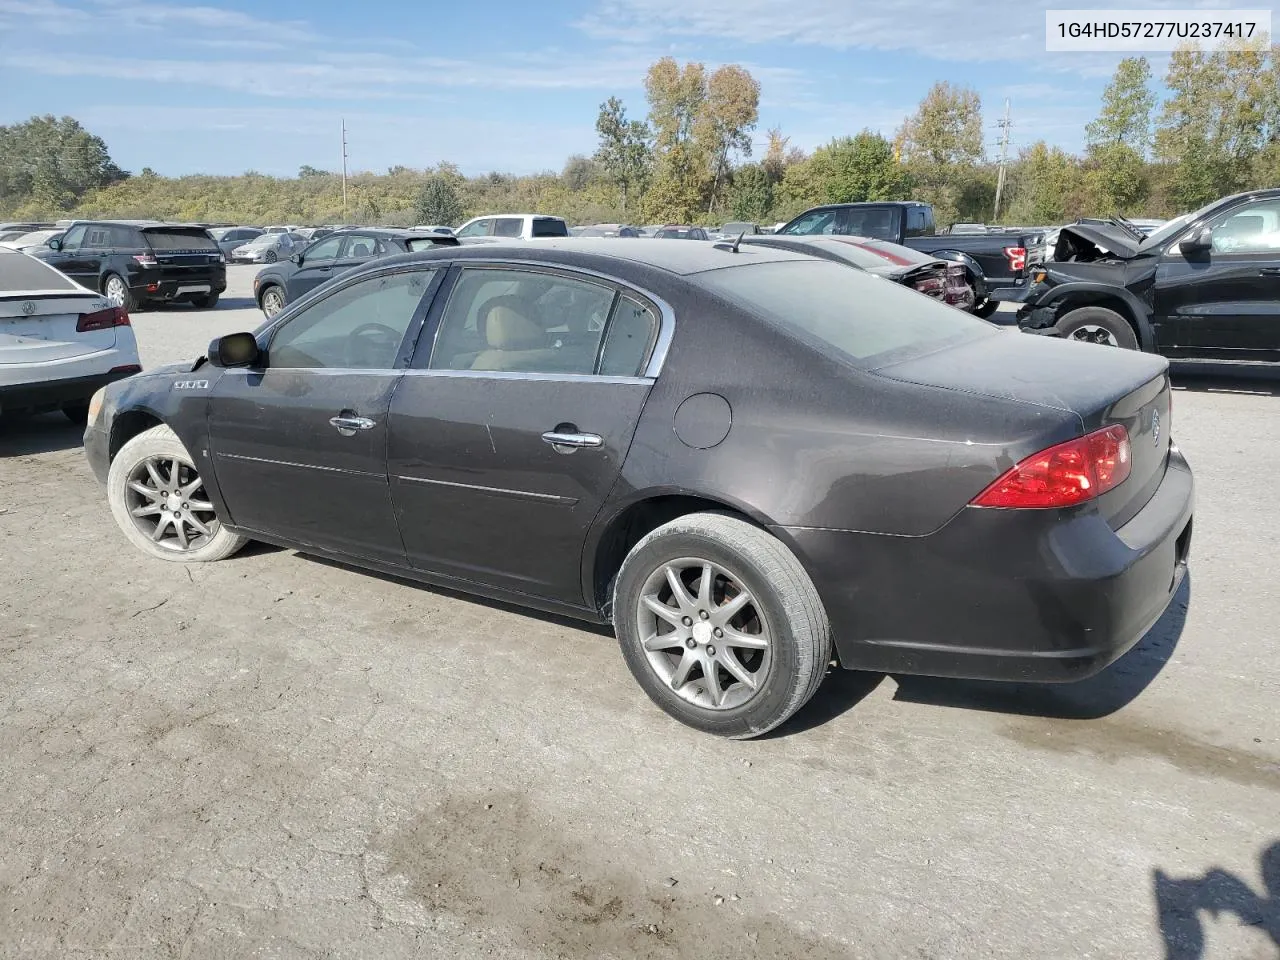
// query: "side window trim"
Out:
[657,356]
[408,345]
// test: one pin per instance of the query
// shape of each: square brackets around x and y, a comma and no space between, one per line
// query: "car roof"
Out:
[599,252]
[142,224]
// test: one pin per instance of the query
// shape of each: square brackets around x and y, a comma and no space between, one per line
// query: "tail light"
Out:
[146,259]
[1017,257]
[1064,475]
[103,319]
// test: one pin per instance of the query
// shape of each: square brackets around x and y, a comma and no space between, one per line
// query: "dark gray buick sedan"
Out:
[750,461]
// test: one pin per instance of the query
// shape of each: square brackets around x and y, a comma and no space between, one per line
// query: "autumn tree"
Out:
[624,151]
[945,130]
[725,121]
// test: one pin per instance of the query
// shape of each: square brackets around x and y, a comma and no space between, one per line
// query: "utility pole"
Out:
[344,170]
[1004,124]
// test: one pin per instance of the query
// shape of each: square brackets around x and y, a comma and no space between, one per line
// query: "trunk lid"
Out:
[1101,385]
[183,253]
[42,328]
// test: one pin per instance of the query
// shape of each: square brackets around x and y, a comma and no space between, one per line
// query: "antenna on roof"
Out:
[734,248]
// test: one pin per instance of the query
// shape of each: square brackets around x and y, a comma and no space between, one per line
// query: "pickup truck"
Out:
[992,260]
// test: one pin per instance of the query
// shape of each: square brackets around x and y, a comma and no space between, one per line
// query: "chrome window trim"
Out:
[510,375]
[666,316]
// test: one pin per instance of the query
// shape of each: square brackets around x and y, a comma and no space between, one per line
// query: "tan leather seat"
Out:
[515,342]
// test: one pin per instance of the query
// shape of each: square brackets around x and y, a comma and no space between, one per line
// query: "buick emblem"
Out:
[1155,426]
[28,308]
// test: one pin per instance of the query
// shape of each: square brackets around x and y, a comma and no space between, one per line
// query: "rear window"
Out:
[869,320]
[550,228]
[192,238]
[20,274]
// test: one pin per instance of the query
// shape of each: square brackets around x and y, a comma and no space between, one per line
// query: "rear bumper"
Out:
[178,288]
[56,394]
[1024,595]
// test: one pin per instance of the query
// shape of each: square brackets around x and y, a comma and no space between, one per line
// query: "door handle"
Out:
[348,423]
[569,441]
[1270,271]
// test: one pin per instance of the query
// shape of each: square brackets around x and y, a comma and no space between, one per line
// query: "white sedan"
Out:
[59,341]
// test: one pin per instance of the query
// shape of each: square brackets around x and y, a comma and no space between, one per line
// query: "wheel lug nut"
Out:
[691,643]
[703,614]
[711,651]
[718,632]
[687,622]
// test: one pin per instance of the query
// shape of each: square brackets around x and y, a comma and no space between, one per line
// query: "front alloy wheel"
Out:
[158,499]
[1091,333]
[272,301]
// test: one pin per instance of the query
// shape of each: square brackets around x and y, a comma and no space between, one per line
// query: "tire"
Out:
[785,613]
[130,466]
[271,300]
[1098,325]
[206,302]
[115,287]
[986,309]
[77,413]
[270,257]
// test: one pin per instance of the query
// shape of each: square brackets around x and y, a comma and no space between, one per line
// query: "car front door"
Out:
[93,254]
[67,257]
[317,266]
[1226,300]
[299,444]
[511,428]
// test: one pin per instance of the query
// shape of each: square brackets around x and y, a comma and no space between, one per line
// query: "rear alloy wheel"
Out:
[117,291]
[158,499]
[1098,325]
[272,301]
[721,625]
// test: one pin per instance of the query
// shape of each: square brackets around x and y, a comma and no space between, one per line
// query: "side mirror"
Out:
[1199,242]
[54,243]
[297,258]
[234,350]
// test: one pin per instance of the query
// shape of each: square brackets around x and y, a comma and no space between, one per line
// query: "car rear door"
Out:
[1226,301]
[300,444]
[512,426]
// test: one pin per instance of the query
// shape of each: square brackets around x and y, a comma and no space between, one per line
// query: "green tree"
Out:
[306,170]
[680,179]
[624,151]
[945,130]
[438,202]
[51,163]
[1127,102]
[724,124]
[750,193]
[1046,185]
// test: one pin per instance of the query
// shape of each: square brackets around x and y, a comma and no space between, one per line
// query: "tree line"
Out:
[692,159]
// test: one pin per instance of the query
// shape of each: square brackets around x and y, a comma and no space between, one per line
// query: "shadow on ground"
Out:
[1180,904]
[43,433]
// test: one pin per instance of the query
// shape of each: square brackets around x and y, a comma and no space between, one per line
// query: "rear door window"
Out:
[97,237]
[360,248]
[508,227]
[917,226]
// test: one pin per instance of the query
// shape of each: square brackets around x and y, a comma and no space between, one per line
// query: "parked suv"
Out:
[514,226]
[136,262]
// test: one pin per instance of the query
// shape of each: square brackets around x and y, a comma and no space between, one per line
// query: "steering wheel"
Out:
[378,338]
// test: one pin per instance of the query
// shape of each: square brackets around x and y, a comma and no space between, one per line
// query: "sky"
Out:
[191,87]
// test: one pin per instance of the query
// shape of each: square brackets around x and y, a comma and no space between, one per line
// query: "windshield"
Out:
[1175,225]
[865,318]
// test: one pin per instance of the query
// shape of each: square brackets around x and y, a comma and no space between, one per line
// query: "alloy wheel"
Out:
[165,498]
[704,634]
[272,302]
[116,291]
[1092,333]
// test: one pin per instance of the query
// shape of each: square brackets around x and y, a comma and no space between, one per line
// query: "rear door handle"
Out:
[1270,271]
[567,442]
[347,423]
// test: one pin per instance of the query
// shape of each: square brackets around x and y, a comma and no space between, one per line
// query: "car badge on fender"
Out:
[28,308]
[1155,427]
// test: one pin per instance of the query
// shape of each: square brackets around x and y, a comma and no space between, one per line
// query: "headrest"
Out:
[507,328]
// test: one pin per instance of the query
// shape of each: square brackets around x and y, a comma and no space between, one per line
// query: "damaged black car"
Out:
[1204,285]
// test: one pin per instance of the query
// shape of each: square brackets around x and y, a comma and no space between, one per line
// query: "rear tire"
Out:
[116,289]
[1098,325]
[986,309]
[206,302]
[776,644]
[155,460]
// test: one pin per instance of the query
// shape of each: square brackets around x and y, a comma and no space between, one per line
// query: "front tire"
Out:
[272,300]
[721,625]
[159,501]
[270,256]
[1098,325]
[986,309]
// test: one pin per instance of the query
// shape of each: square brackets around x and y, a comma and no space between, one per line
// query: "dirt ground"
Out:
[279,757]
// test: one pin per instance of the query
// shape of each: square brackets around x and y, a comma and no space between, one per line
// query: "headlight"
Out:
[95,404]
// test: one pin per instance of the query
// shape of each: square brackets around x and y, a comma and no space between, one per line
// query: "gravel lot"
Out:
[279,757]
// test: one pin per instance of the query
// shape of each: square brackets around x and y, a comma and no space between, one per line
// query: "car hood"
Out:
[1117,241]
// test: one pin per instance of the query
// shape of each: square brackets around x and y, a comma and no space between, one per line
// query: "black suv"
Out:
[278,284]
[136,262]
[1204,285]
